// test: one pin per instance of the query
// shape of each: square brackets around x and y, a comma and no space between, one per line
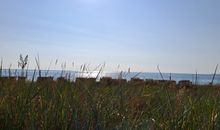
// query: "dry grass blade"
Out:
[26,73]
[158,68]
[63,66]
[167,92]
[213,78]
[135,76]
[101,69]
[120,76]
[73,64]
[56,61]
[1,67]
[129,71]
[95,69]
[9,70]
[196,79]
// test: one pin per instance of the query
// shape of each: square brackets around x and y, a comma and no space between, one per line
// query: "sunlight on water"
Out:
[90,74]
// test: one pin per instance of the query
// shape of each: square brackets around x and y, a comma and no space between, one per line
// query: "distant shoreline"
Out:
[201,78]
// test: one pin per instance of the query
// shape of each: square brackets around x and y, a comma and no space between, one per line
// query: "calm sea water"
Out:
[201,78]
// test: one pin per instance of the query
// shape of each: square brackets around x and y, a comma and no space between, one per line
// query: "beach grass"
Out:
[86,104]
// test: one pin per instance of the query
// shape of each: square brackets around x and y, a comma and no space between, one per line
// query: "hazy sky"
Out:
[179,35]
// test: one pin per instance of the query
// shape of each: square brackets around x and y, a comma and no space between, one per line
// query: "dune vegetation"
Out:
[88,103]
[108,104]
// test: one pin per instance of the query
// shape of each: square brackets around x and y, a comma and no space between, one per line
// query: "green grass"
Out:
[66,105]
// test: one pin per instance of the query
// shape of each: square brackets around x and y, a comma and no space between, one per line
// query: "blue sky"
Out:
[180,36]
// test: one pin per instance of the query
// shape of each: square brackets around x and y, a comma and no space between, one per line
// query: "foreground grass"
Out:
[64,105]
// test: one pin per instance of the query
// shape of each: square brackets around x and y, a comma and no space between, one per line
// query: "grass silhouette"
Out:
[86,103]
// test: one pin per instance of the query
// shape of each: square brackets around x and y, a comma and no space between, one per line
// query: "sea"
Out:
[72,75]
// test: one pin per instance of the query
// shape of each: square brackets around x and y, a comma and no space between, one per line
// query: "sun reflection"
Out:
[90,74]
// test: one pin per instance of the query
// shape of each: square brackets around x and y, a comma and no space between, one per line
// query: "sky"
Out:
[179,35]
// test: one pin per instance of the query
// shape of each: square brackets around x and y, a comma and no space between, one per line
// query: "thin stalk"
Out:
[96,68]
[129,71]
[1,67]
[196,78]
[101,69]
[135,76]
[158,68]
[170,77]
[83,69]
[9,70]
[216,68]
[73,65]
[63,66]
[167,93]
[26,73]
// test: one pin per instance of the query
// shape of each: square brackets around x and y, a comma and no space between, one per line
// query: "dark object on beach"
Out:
[106,81]
[171,83]
[7,79]
[61,80]
[137,81]
[44,79]
[21,78]
[11,81]
[85,81]
[149,81]
[185,83]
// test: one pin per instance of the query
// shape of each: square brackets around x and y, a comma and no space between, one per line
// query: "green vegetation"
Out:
[61,104]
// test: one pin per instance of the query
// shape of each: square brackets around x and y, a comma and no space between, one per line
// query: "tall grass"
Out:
[67,105]
[108,104]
